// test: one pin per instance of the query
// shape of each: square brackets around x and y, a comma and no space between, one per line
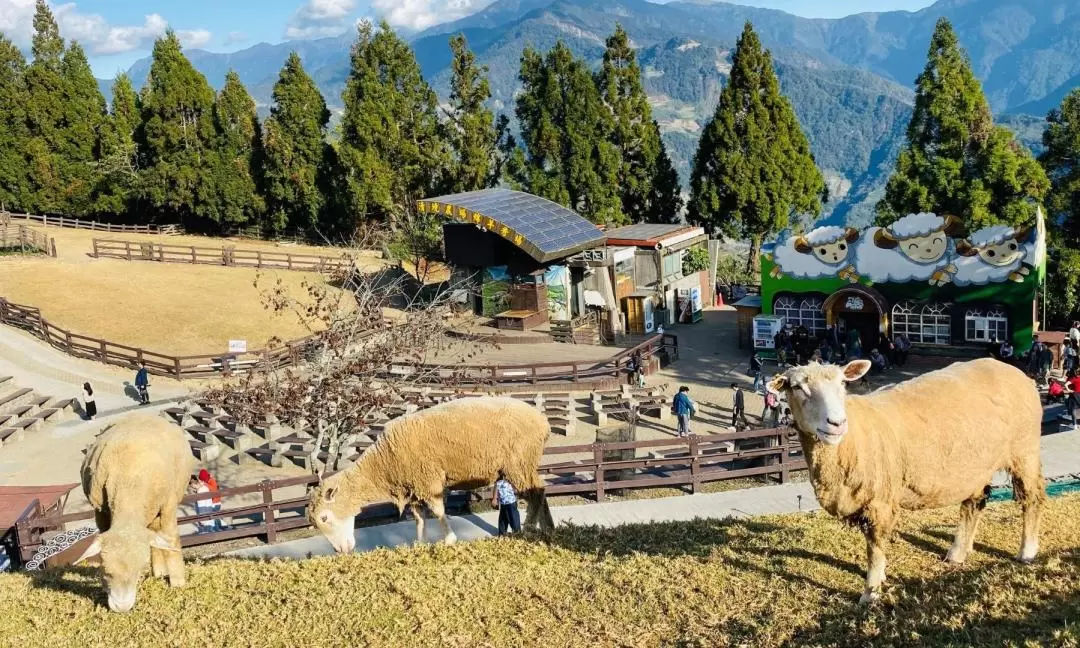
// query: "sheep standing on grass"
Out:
[822,252]
[929,442]
[134,476]
[459,444]
[915,248]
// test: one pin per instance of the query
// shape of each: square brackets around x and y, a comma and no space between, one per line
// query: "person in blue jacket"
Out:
[683,408]
[142,383]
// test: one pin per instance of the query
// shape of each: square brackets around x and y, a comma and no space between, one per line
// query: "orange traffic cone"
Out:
[719,299]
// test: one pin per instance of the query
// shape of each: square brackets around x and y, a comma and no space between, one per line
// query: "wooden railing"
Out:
[29,319]
[25,239]
[690,463]
[220,256]
[75,223]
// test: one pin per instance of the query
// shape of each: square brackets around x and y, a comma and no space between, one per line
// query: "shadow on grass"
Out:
[959,609]
[82,581]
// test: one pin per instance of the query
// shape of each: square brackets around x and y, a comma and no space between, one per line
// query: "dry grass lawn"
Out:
[774,581]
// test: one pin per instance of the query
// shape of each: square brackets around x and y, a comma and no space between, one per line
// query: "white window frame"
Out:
[808,311]
[983,325]
[928,323]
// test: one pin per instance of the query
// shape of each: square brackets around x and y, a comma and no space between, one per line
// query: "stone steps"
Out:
[23,410]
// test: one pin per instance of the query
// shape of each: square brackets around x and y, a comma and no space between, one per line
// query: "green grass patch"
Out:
[772,581]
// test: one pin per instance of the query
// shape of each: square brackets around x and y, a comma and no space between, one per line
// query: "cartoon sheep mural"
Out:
[459,444]
[917,247]
[821,252]
[996,254]
[134,476]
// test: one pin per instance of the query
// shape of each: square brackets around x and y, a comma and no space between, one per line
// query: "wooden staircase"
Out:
[580,330]
[23,410]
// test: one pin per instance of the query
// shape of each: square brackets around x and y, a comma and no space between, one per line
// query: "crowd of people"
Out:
[796,346]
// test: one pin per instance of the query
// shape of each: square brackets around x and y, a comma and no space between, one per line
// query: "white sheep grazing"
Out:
[930,442]
[821,252]
[995,254]
[914,248]
[462,444]
[134,476]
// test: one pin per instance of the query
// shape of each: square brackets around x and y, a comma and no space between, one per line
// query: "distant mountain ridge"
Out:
[849,79]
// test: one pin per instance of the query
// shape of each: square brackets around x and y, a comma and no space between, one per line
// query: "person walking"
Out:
[1074,333]
[204,506]
[738,408]
[683,408]
[756,366]
[772,408]
[215,501]
[504,498]
[903,347]
[89,405]
[1068,357]
[142,383]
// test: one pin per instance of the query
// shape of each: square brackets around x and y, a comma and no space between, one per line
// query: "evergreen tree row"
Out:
[178,152]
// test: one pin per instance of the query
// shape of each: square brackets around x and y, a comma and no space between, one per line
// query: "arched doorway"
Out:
[858,308]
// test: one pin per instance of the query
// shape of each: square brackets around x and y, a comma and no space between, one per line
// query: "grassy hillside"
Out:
[777,581]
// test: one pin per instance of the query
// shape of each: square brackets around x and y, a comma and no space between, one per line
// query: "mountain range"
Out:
[849,79]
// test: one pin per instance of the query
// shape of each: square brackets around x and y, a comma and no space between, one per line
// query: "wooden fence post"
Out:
[103,351]
[67,340]
[695,463]
[269,515]
[52,247]
[598,459]
[193,254]
[783,459]
[127,248]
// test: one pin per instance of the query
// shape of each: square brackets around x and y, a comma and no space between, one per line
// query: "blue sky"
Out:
[115,33]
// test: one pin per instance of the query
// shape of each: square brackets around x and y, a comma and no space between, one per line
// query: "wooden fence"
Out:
[25,239]
[685,463]
[220,256]
[29,319]
[75,223]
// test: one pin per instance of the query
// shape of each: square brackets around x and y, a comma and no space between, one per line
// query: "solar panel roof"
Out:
[542,228]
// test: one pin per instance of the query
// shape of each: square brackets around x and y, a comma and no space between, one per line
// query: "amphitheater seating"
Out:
[23,410]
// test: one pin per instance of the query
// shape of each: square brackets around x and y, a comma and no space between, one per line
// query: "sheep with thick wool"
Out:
[134,476]
[933,441]
[461,444]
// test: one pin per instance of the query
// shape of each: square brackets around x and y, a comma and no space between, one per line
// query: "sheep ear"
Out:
[777,384]
[93,550]
[851,234]
[329,494]
[964,248]
[884,239]
[855,369]
[802,245]
[1022,235]
[158,541]
[954,227]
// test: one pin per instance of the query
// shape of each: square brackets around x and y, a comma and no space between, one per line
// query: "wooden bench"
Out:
[519,320]
[15,399]
[202,434]
[234,439]
[204,451]
[265,455]
[204,417]
[294,441]
[298,457]
[14,431]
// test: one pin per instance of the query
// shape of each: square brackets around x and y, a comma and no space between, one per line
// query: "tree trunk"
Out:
[753,262]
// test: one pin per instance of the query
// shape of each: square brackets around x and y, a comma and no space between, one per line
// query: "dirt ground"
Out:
[175,309]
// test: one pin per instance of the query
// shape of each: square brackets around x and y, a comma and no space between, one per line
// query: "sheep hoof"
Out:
[1027,556]
[955,557]
[450,539]
[869,596]
[177,582]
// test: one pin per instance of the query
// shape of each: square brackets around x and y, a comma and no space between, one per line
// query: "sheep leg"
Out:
[970,511]
[159,566]
[418,513]
[174,560]
[1029,490]
[438,509]
[877,538]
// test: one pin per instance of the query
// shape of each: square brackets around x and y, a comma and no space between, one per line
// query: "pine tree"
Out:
[649,188]
[956,160]
[176,138]
[566,129]
[118,163]
[295,148]
[83,115]
[14,183]
[45,115]
[473,135]
[753,168]
[392,146]
[1061,160]
[236,160]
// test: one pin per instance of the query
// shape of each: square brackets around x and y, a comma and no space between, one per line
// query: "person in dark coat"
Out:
[738,408]
[89,404]
[142,383]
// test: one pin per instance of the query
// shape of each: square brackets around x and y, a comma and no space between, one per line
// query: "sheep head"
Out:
[816,395]
[831,251]
[124,556]
[333,515]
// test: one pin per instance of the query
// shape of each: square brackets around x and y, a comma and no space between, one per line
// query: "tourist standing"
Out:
[756,371]
[89,405]
[504,498]
[780,345]
[1074,333]
[1068,357]
[1006,351]
[854,345]
[215,501]
[738,408]
[903,347]
[683,408]
[1046,359]
[142,383]
[832,341]
[772,408]
[635,368]
[205,506]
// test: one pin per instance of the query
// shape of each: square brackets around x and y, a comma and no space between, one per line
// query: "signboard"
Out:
[650,318]
[466,216]
[237,346]
[696,305]
[854,303]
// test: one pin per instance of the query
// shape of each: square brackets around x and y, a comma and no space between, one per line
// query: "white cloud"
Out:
[421,14]
[317,18]
[92,31]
